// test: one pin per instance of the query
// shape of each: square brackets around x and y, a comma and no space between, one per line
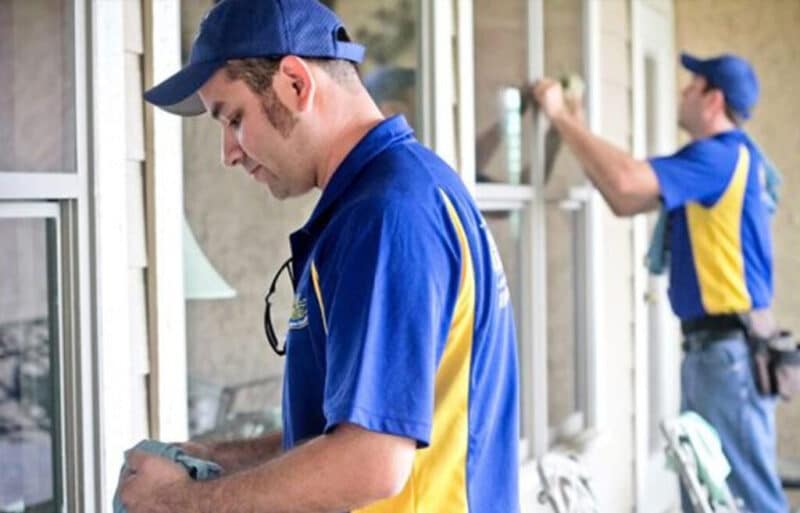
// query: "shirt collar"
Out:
[387,133]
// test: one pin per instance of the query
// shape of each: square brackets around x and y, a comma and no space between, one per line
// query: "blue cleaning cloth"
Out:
[198,469]
[657,257]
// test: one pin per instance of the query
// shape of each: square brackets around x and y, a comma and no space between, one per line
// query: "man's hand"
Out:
[554,100]
[152,484]
[549,95]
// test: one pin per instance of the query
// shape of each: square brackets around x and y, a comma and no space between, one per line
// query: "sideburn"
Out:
[278,114]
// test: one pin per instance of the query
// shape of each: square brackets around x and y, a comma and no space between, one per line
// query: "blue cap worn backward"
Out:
[732,75]
[238,29]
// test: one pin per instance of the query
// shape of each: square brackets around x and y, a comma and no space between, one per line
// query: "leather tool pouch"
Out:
[785,367]
[776,358]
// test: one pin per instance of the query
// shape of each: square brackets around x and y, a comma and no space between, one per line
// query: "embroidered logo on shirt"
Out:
[299,317]
[503,294]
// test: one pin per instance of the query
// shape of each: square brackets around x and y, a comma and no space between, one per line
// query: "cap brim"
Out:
[691,63]
[178,93]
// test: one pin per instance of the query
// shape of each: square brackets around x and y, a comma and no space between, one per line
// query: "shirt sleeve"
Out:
[699,172]
[388,294]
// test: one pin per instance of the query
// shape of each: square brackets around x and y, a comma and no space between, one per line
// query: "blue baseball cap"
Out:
[732,75]
[239,29]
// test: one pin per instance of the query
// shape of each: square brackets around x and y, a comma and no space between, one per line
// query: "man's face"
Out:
[692,110]
[259,134]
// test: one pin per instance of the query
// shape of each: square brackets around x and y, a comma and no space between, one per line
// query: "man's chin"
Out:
[278,193]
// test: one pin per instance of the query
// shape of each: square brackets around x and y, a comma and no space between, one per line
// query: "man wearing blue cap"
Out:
[400,387]
[720,252]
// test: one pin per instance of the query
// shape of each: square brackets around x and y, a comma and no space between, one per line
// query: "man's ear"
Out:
[716,99]
[295,84]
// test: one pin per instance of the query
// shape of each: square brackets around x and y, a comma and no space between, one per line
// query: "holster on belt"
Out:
[775,353]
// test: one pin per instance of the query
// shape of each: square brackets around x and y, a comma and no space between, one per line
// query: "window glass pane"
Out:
[388,28]
[243,233]
[566,368]
[502,124]
[234,375]
[28,388]
[563,58]
[37,125]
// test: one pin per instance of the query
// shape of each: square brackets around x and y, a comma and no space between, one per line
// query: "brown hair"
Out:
[257,73]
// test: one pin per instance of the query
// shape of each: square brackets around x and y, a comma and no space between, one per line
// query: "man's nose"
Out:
[232,153]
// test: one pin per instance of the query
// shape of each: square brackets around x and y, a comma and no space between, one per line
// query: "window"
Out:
[388,28]
[30,367]
[503,167]
[567,392]
[43,297]
[37,128]
[534,198]
[502,128]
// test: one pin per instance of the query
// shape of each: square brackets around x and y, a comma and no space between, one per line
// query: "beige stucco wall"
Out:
[765,32]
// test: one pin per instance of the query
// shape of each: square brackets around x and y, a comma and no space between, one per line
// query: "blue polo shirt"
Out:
[720,243]
[402,325]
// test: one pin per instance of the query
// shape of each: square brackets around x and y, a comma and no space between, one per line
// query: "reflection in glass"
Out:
[501,152]
[37,125]
[388,28]
[511,123]
[245,238]
[232,370]
[28,393]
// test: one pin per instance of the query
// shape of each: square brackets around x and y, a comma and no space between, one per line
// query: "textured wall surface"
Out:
[765,32]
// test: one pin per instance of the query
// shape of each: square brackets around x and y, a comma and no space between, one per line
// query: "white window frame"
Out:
[169,409]
[655,487]
[60,343]
[64,196]
[438,84]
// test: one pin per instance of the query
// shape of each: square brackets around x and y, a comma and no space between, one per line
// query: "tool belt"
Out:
[775,353]
[699,333]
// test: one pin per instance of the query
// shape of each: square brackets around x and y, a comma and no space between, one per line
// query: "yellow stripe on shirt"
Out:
[438,481]
[716,238]
[315,279]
